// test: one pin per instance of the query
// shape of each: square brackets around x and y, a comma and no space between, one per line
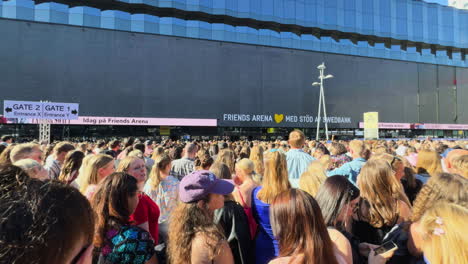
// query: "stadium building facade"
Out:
[244,67]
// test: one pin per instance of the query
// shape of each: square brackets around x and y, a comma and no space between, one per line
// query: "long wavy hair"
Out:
[307,240]
[334,197]
[227,157]
[275,179]
[447,187]
[444,241]
[91,171]
[381,190]
[394,162]
[110,202]
[256,156]
[71,165]
[312,178]
[188,220]
[160,164]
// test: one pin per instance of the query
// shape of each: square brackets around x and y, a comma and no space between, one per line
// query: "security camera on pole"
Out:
[322,77]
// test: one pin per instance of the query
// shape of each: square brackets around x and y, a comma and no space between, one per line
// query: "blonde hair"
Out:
[227,157]
[358,147]
[381,190]
[84,165]
[460,164]
[28,165]
[247,166]
[159,151]
[444,241]
[91,171]
[441,187]
[325,160]
[296,138]
[312,178]
[428,162]
[22,151]
[136,153]
[393,161]
[160,164]
[256,156]
[275,179]
[125,163]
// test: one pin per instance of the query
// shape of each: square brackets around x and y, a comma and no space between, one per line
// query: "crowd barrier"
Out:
[117,20]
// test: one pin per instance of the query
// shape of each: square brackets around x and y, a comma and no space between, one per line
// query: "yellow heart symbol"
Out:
[279,118]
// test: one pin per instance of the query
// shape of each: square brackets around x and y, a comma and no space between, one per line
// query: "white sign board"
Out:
[371,125]
[40,110]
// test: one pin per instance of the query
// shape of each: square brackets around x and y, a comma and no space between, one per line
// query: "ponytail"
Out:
[155,175]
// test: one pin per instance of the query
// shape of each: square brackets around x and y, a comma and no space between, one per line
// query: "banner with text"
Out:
[120,121]
[280,120]
[40,110]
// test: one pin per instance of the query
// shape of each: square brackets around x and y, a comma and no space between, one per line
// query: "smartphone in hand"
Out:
[387,246]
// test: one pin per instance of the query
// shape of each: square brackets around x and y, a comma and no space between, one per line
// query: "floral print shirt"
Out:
[165,196]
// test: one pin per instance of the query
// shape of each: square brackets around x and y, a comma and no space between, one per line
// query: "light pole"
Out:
[322,77]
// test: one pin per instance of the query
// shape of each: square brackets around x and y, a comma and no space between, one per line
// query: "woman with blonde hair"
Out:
[79,181]
[444,241]
[256,156]
[312,178]
[146,214]
[227,157]
[163,188]
[97,168]
[159,151]
[442,187]
[381,206]
[428,164]
[274,182]
[244,187]
[398,170]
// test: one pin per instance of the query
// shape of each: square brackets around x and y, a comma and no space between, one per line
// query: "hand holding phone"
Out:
[383,253]
[387,246]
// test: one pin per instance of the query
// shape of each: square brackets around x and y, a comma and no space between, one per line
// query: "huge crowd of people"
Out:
[296,201]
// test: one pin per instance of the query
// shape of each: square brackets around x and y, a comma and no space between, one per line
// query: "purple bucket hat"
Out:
[198,184]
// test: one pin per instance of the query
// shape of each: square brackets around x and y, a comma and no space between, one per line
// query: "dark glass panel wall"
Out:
[114,73]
